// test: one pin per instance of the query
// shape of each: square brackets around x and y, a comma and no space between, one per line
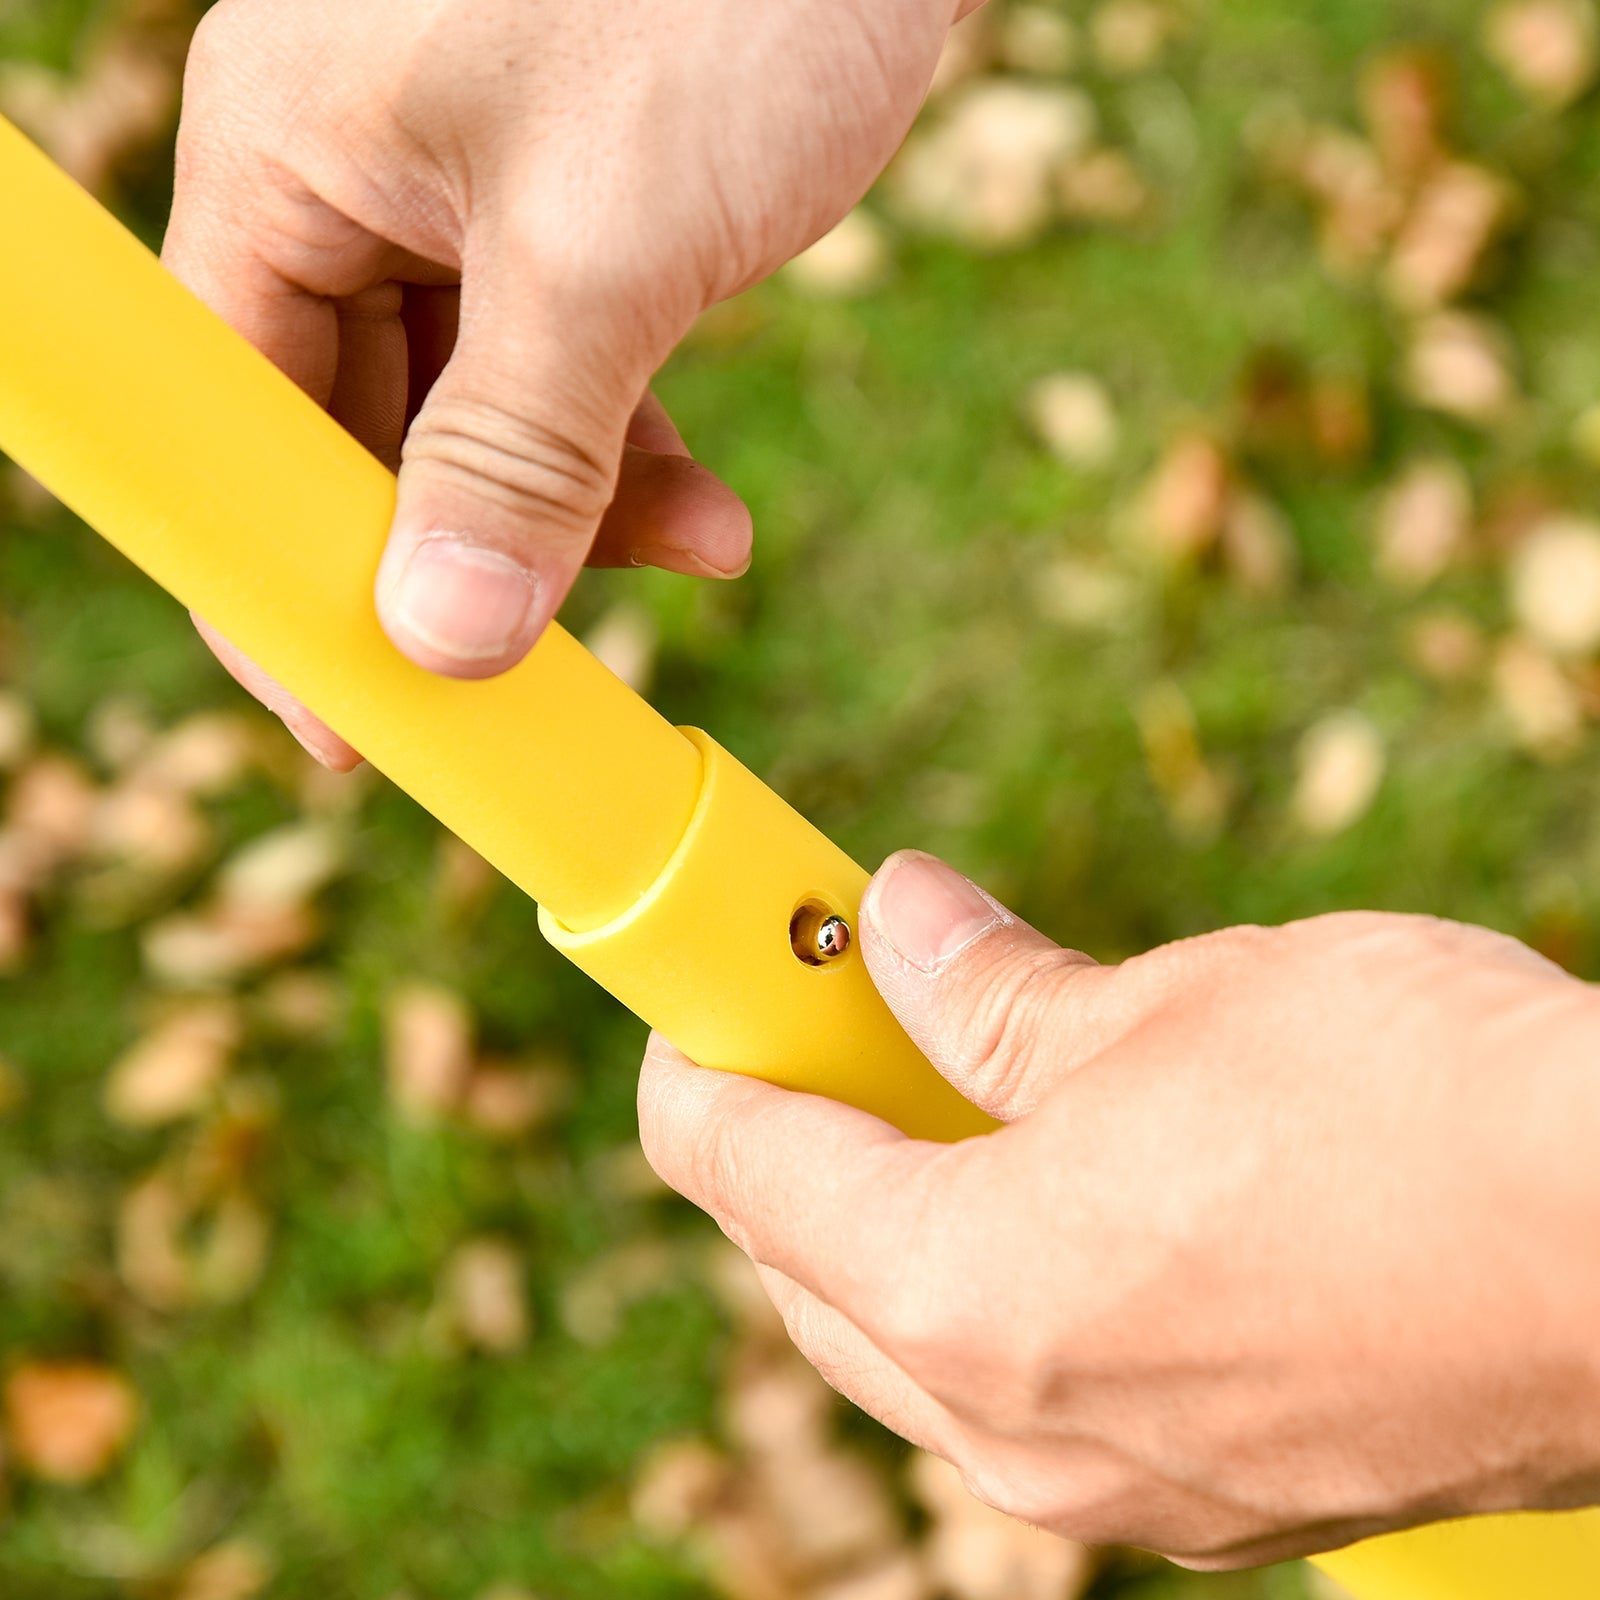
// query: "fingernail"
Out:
[462,600]
[689,562]
[928,912]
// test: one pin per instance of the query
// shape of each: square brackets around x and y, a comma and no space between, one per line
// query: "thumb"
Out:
[508,470]
[999,1009]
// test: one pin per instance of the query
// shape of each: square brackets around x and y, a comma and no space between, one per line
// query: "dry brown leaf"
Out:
[1195,794]
[1129,36]
[1555,585]
[1405,95]
[13,1087]
[626,640]
[118,731]
[18,730]
[1423,522]
[151,828]
[1186,502]
[1073,415]
[594,1302]
[236,1570]
[1540,703]
[903,1576]
[1446,646]
[830,1511]
[463,881]
[1460,363]
[428,1051]
[205,755]
[1075,592]
[1456,215]
[852,259]
[1036,38]
[1549,48]
[484,1293]
[1359,207]
[504,1101]
[976,1553]
[67,1422]
[1258,549]
[15,930]
[175,1249]
[174,1070]
[303,1004]
[222,943]
[284,869]
[1341,764]
[678,1487]
[1102,185]
[778,1407]
[986,171]
[52,803]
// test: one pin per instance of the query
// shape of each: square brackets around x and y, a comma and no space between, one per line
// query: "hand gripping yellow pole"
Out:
[662,867]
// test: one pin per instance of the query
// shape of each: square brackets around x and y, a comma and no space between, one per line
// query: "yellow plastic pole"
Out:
[663,868]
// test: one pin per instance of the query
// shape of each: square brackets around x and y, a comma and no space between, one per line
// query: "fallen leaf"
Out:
[509,1102]
[1129,36]
[1456,215]
[1258,548]
[678,1486]
[1195,794]
[985,172]
[67,1422]
[18,730]
[236,1570]
[902,1576]
[175,1069]
[1555,585]
[221,943]
[52,802]
[1540,703]
[302,1004]
[1423,522]
[1405,98]
[1460,363]
[1074,417]
[1341,762]
[1186,502]
[1446,646]
[205,755]
[852,259]
[485,1295]
[1102,185]
[153,829]
[626,640]
[976,1553]
[428,1051]
[1035,38]
[595,1300]
[284,869]
[1548,48]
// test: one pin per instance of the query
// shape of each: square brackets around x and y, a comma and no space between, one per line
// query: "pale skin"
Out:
[1289,1234]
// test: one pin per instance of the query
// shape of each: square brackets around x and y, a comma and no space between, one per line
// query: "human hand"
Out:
[1289,1238]
[492,221]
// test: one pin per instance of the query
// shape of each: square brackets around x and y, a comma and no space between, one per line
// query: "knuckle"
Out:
[1004,1024]
[533,471]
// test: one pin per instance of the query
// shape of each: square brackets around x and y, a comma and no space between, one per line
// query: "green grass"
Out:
[888,666]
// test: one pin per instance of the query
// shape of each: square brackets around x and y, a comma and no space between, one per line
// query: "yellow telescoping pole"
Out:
[662,867]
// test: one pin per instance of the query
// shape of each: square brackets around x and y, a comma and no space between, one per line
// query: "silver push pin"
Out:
[818,936]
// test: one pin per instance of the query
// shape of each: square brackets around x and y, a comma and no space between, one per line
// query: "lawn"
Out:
[1173,523]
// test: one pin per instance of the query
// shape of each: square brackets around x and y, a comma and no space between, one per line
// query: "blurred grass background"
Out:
[1172,500]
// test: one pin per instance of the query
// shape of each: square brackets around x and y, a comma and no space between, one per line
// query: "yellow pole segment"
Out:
[663,868]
